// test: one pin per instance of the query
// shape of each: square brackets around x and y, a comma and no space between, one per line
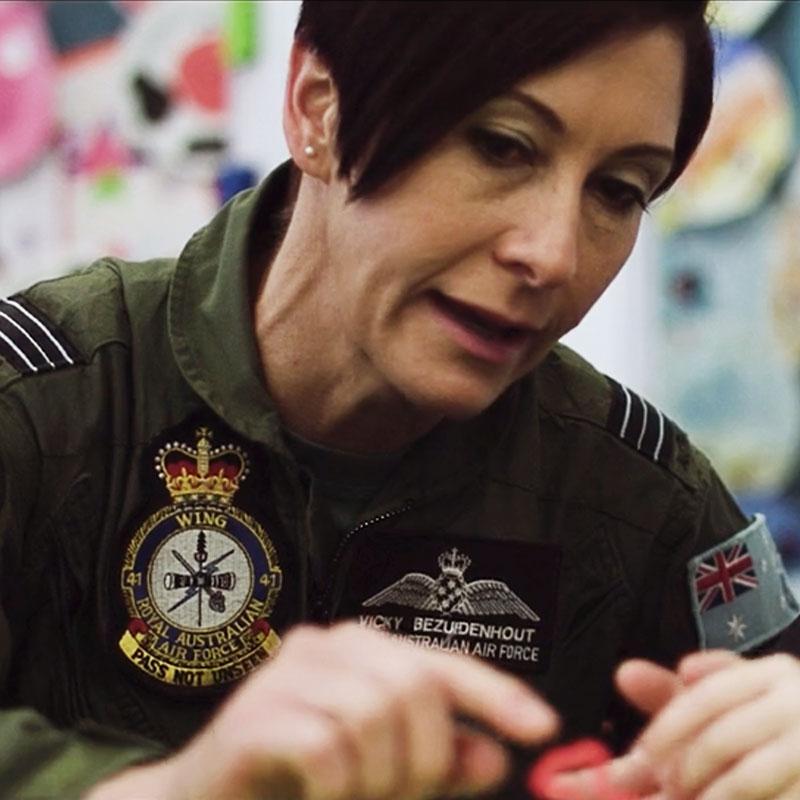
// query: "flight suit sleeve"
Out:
[722,582]
[38,759]
[715,580]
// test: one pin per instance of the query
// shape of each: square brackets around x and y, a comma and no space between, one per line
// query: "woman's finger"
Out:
[708,699]
[790,793]
[764,774]
[480,764]
[634,773]
[500,701]
[473,689]
[696,666]
[364,726]
[430,746]
[735,734]
[299,754]
[630,776]
[648,686]
[424,748]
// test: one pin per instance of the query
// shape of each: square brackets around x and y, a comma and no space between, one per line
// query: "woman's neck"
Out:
[324,388]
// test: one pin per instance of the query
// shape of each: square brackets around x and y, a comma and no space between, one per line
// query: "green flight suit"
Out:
[544,484]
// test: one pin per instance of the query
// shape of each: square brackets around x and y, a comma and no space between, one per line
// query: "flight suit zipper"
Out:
[301,484]
[323,604]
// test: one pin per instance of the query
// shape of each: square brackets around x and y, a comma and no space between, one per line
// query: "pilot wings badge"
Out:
[449,593]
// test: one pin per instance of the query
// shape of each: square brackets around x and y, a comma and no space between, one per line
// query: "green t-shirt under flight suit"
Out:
[158,536]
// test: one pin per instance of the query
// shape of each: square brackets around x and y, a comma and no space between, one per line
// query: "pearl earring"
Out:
[309,150]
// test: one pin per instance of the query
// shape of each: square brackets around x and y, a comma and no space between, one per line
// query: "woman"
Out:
[345,401]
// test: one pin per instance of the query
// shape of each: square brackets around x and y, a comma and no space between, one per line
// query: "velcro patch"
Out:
[741,596]
[199,586]
[640,424]
[492,599]
[29,341]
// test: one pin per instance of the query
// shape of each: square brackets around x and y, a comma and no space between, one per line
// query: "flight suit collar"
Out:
[211,313]
[211,330]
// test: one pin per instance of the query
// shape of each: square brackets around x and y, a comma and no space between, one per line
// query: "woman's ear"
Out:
[310,114]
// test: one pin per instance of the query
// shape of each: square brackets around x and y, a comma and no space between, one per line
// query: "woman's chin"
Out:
[453,399]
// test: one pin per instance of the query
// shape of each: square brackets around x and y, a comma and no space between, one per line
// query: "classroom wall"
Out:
[702,320]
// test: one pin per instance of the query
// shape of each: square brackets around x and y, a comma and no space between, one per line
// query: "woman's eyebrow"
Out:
[544,112]
[556,124]
[650,150]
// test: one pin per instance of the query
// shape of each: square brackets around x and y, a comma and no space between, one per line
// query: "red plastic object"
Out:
[582,754]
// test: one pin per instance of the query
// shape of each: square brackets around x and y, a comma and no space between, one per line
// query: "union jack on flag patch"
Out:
[723,576]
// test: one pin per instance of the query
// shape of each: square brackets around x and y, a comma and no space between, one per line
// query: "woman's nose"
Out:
[540,242]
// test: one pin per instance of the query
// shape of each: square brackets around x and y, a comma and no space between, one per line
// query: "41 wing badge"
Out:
[200,576]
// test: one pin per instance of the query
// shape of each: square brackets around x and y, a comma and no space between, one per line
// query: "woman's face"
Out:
[458,277]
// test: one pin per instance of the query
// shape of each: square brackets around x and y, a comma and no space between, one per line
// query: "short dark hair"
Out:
[407,72]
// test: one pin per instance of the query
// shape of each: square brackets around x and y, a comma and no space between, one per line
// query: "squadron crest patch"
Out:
[200,576]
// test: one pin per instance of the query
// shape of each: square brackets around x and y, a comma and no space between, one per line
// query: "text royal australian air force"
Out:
[484,617]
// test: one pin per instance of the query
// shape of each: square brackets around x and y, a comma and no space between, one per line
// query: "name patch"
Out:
[490,599]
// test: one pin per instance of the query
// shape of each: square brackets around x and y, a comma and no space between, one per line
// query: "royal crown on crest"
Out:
[201,473]
[451,562]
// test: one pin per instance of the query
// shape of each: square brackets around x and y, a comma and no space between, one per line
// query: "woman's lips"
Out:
[482,333]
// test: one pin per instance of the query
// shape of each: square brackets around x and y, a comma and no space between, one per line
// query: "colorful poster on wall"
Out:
[730,266]
[109,113]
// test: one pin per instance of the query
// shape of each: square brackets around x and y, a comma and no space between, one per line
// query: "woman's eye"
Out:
[501,149]
[621,197]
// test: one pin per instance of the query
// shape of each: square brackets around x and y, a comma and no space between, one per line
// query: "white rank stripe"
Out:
[43,328]
[649,435]
[627,412]
[28,337]
[18,352]
[660,435]
[644,424]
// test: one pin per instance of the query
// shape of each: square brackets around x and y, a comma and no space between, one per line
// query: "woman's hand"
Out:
[723,728]
[348,713]
[733,734]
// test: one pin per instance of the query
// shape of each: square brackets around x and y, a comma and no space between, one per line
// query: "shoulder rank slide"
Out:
[741,596]
[29,341]
[639,423]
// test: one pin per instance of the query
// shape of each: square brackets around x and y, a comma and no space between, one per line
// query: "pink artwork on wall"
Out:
[27,87]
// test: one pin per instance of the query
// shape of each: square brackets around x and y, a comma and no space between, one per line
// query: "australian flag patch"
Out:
[724,576]
[740,592]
